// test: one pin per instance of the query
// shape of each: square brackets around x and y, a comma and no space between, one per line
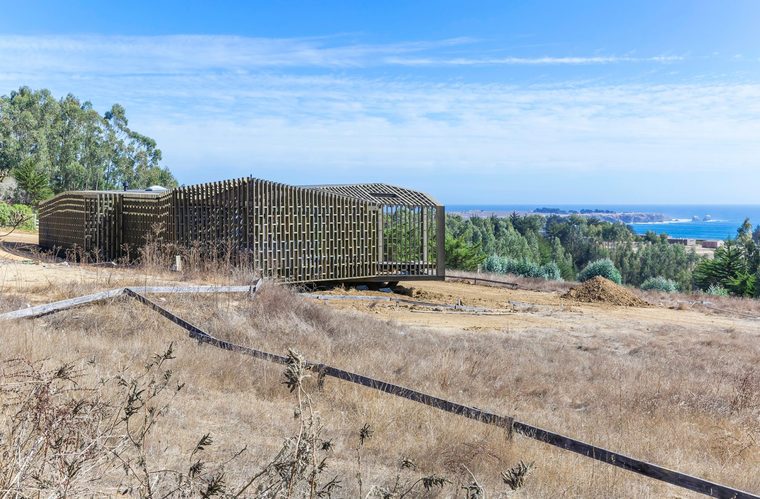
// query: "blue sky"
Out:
[474,102]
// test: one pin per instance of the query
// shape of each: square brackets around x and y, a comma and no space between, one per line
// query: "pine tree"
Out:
[461,254]
[727,269]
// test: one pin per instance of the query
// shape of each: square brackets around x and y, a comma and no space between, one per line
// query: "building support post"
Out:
[440,235]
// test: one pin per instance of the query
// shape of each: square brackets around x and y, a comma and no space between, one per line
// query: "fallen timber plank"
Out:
[475,280]
[57,306]
[460,312]
[465,308]
[192,289]
[345,297]
[606,456]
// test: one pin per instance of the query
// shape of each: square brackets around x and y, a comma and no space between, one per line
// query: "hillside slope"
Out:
[680,388]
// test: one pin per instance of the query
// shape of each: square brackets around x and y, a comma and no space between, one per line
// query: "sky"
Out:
[495,102]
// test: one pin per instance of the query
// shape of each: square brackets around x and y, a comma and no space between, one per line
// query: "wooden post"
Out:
[440,234]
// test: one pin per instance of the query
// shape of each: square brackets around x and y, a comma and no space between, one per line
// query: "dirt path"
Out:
[16,239]
[534,312]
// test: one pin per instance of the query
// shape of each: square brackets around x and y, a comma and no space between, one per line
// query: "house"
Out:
[712,244]
[682,241]
[357,232]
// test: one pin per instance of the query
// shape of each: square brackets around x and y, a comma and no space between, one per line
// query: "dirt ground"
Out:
[519,311]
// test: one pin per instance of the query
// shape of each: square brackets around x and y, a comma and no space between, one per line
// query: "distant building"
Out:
[682,241]
[712,244]
[364,232]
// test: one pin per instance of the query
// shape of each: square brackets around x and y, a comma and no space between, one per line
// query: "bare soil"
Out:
[601,290]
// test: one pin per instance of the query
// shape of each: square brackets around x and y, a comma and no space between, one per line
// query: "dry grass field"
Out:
[675,383]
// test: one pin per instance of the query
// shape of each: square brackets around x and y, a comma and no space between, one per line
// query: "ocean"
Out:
[714,221]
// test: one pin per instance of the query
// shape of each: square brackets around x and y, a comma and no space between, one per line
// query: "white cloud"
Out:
[187,53]
[400,126]
[216,113]
[528,61]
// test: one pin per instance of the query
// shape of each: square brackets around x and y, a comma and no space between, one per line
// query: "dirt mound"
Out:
[601,290]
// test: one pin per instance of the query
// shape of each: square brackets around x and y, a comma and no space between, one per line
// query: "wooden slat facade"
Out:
[300,234]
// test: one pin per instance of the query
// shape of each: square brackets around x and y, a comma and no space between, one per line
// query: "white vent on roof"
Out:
[156,188]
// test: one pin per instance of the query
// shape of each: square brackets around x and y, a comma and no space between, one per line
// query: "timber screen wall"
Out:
[371,232]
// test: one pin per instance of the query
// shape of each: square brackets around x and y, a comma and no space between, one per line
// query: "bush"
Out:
[552,272]
[461,254]
[660,283]
[604,268]
[9,213]
[523,268]
[717,290]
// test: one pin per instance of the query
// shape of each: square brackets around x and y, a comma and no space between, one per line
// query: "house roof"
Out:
[381,194]
[384,194]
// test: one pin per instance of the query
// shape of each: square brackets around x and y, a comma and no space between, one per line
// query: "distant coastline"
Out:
[704,222]
[605,215]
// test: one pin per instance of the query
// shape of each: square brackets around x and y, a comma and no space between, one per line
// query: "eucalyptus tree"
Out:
[54,145]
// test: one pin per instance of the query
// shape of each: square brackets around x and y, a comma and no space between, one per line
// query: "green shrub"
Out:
[523,268]
[461,254]
[603,267]
[717,290]
[10,212]
[660,283]
[552,272]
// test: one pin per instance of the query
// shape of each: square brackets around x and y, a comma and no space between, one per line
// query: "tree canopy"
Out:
[534,245]
[51,146]
[736,265]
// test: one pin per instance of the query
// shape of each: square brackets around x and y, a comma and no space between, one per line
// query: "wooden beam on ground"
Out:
[191,289]
[49,308]
[512,285]
[314,296]
[464,308]
[57,306]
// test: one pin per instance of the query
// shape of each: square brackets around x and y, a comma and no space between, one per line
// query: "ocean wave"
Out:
[673,221]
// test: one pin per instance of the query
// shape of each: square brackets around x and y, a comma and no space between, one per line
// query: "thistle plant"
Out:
[514,477]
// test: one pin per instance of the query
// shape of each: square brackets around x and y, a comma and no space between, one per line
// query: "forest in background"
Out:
[578,247]
[51,145]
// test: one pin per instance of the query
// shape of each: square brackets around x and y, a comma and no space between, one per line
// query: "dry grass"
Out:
[689,400]
[718,305]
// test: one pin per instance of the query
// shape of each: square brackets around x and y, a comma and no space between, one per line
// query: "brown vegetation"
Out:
[653,383]
[678,386]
